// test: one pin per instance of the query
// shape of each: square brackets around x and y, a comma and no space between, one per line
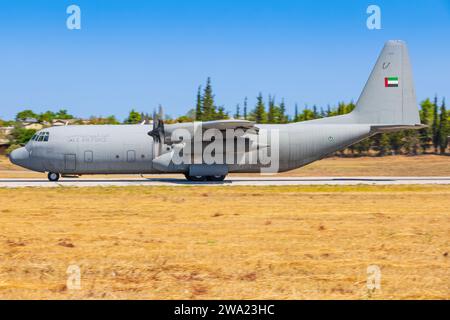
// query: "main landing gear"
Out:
[204,178]
[53,176]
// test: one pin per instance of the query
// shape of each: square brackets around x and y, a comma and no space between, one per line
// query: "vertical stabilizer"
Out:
[388,97]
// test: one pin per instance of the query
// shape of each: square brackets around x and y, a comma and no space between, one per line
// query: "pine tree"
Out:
[435,126]
[396,141]
[444,129]
[296,113]
[237,115]
[383,144]
[307,114]
[363,147]
[329,112]
[315,113]
[426,118]
[272,114]
[322,113]
[412,142]
[221,114]
[208,108]
[198,105]
[350,107]
[282,116]
[245,108]
[341,108]
[259,114]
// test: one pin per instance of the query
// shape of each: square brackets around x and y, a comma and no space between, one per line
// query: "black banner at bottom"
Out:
[218,309]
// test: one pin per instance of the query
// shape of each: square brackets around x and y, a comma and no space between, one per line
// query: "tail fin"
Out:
[388,97]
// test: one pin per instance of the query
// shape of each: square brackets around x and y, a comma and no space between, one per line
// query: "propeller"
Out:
[158,130]
[157,133]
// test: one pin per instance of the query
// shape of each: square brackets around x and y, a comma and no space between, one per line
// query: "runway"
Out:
[231,181]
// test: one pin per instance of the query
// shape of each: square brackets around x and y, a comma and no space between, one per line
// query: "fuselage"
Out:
[128,149]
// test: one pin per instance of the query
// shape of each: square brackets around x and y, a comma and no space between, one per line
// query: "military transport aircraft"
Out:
[387,104]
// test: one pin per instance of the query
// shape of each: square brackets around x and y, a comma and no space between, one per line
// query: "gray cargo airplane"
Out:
[387,104]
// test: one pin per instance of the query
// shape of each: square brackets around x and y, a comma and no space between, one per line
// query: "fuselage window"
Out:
[88,156]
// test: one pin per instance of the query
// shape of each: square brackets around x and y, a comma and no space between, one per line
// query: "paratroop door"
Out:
[70,162]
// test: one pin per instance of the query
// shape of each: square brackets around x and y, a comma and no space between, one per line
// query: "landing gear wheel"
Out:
[195,178]
[52,176]
[216,178]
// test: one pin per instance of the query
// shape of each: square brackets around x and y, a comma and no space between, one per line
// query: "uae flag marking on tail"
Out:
[391,82]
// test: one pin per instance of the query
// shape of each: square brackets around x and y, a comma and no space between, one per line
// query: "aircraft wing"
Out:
[163,132]
[228,124]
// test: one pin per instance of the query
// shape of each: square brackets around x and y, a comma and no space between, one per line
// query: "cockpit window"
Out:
[41,136]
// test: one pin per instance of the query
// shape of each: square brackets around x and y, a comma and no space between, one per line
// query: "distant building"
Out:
[6,131]
[58,122]
[33,126]
[30,120]
[63,122]
[31,123]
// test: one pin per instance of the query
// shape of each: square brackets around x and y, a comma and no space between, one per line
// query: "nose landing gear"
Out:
[53,176]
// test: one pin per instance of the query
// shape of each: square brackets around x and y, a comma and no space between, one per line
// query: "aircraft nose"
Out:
[19,156]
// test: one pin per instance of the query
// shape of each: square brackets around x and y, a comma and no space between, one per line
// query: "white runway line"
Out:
[232,181]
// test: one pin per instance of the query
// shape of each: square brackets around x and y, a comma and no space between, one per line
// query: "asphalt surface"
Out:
[230,181]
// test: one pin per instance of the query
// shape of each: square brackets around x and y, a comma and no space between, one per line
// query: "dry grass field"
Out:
[225,242]
[424,165]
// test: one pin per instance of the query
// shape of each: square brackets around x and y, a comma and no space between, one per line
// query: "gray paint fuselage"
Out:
[114,149]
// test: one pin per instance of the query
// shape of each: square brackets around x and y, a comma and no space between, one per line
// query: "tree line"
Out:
[432,139]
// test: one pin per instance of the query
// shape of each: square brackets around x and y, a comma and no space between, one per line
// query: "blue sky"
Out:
[138,54]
